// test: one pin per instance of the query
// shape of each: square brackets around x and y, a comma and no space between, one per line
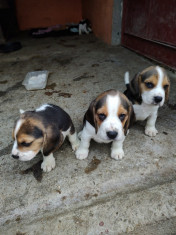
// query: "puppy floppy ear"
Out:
[21,111]
[90,115]
[167,91]
[52,140]
[131,117]
[13,131]
[133,91]
[135,85]
[13,136]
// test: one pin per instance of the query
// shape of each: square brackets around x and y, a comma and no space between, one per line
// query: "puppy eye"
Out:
[102,116]
[165,87]
[149,85]
[24,144]
[122,117]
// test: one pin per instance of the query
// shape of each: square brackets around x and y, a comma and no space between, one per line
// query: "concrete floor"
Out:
[136,195]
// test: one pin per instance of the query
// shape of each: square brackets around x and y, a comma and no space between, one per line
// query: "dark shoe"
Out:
[10,46]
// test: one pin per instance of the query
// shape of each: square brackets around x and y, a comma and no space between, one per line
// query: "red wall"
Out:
[99,12]
[44,13]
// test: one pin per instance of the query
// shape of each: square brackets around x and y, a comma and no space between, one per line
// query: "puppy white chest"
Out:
[143,111]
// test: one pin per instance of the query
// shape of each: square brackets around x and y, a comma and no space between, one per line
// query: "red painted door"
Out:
[149,28]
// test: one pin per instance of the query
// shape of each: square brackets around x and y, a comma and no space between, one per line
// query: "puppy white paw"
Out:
[117,154]
[151,131]
[48,163]
[127,132]
[81,153]
[75,145]
[74,141]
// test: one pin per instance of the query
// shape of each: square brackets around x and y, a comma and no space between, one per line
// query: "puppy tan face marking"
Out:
[165,83]
[126,113]
[122,114]
[26,142]
[166,86]
[101,115]
[152,81]
[28,138]
[149,83]
[148,79]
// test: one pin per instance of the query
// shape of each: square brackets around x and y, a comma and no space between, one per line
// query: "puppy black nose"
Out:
[158,99]
[15,156]
[111,134]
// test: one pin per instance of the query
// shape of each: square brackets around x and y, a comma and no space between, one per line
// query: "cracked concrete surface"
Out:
[136,195]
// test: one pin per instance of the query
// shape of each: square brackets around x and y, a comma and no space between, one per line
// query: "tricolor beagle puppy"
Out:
[148,91]
[106,120]
[43,129]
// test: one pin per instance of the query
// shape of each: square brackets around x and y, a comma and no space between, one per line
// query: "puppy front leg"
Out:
[80,29]
[48,163]
[73,138]
[85,29]
[117,150]
[150,129]
[83,150]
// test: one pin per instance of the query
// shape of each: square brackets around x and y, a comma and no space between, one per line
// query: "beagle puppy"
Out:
[148,91]
[43,129]
[107,120]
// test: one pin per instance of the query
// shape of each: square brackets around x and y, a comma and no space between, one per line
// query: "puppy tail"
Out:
[127,79]
[21,111]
